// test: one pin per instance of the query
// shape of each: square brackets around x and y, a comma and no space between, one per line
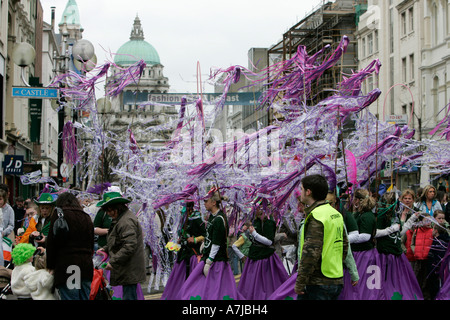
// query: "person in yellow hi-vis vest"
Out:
[323,244]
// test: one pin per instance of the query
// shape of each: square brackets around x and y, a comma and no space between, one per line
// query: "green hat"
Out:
[112,198]
[45,198]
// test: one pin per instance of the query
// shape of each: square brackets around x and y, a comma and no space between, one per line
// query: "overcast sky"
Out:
[215,33]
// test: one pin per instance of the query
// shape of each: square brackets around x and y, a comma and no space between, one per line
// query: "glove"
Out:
[207,266]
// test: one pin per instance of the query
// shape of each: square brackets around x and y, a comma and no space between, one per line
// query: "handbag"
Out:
[60,227]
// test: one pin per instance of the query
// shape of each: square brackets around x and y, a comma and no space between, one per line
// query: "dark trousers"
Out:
[330,292]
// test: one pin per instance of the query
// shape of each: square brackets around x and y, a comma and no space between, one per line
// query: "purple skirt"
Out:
[260,278]
[287,290]
[381,277]
[444,292]
[219,285]
[177,278]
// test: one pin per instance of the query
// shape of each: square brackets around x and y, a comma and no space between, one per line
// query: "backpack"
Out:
[60,227]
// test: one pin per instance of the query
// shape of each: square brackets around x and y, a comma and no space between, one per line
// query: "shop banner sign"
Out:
[13,165]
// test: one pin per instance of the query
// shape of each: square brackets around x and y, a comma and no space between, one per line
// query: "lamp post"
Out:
[83,57]
[23,55]
[104,107]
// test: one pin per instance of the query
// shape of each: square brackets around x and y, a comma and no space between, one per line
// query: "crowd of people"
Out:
[339,244]
[55,248]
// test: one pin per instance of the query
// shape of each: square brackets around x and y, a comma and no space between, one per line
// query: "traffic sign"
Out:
[65,171]
[35,93]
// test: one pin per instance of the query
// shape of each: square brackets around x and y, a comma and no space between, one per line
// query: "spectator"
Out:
[418,243]
[39,225]
[19,213]
[71,255]
[8,215]
[125,245]
[22,257]
[428,201]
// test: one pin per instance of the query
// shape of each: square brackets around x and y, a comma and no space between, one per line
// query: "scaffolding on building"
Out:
[325,25]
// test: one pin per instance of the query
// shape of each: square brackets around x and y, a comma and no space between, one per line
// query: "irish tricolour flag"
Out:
[7,248]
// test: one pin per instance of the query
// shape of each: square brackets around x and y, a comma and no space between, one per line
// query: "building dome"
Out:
[136,49]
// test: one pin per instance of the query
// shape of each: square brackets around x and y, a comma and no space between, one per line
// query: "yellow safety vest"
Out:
[333,245]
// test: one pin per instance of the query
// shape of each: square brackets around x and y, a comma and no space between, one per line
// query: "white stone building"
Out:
[411,39]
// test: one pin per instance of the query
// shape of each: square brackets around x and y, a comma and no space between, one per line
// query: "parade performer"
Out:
[212,279]
[363,248]
[400,281]
[191,237]
[264,271]
[242,245]
[39,226]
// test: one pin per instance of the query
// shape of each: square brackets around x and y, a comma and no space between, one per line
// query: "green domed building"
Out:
[132,104]
[153,79]
[136,49]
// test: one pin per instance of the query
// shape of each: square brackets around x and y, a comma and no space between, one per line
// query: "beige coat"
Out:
[125,248]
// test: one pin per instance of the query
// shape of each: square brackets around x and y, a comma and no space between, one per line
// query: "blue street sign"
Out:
[35,93]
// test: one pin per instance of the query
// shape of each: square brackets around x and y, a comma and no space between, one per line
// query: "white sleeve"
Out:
[237,251]
[352,236]
[408,224]
[362,237]
[261,239]
[214,249]
[387,231]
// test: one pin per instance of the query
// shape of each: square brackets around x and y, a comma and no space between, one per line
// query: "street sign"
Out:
[398,119]
[35,93]
[65,171]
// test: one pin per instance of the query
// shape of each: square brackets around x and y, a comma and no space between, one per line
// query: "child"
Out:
[22,257]
[40,282]
[437,251]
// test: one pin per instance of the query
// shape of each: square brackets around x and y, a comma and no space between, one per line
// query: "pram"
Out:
[99,285]
[5,282]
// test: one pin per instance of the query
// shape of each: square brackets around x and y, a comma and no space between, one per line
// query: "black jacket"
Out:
[64,257]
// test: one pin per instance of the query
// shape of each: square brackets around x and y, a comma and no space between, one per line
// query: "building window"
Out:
[370,44]
[376,40]
[411,67]
[403,23]
[411,19]
[363,48]
[404,70]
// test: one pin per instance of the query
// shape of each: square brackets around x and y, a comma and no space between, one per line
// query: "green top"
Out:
[193,228]
[392,243]
[266,228]
[102,220]
[350,222]
[245,248]
[366,224]
[216,233]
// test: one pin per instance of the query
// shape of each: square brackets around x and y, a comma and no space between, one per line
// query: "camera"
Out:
[38,238]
